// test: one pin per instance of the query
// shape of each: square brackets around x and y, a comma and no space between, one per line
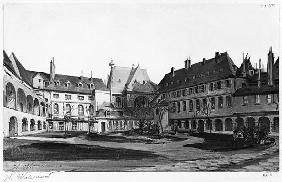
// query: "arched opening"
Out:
[36,107]
[13,127]
[239,123]
[201,126]
[29,100]
[228,124]
[39,125]
[21,100]
[276,124]
[10,96]
[251,122]
[80,110]
[264,124]
[218,125]
[24,125]
[209,125]
[141,101]
[32,125]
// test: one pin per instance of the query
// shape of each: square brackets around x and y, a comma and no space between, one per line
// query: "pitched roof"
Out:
[276,70]
[255,90]
[199,73]
[147,87]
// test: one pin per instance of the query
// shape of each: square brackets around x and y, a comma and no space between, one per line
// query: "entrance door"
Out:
[103,127]
[13,127]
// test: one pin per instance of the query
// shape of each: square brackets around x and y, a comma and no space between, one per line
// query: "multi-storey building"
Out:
[204,97]
[131,92]
[76,97]
[24,110]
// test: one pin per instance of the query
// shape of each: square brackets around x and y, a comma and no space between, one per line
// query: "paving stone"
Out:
[253,168]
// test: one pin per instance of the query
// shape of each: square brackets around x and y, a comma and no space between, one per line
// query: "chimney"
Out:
[259,71]
[244,67]
[187,63]
[216,56]
[172,71]
[204,61]
[270,63]
[52,70]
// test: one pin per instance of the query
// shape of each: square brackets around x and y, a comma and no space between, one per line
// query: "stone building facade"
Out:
[201,97]
[24,109]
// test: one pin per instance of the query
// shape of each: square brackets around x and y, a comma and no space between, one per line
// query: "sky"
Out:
[84,37]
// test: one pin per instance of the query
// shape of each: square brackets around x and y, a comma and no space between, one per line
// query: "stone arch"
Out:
[21,100]
[264,123]
[276,124]
[10,98]
[24,125]
[39,125]
[251,122]
[29,101]
[141,101]
[36,109]
[239,122]
[201,126]
[32,125]
[13,126]
[228,124]
[218,125]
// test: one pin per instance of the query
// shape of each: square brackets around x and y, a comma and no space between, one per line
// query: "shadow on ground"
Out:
[20,150]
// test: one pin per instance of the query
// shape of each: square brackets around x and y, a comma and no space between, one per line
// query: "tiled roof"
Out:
[147,87]
[7,62]
[254,90]
[199,73]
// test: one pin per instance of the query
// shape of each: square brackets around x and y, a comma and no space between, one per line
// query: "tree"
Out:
[206,109]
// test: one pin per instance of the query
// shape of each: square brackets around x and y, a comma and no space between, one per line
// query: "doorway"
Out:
[103,127]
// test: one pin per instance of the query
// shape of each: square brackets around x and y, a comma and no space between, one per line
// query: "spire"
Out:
[244,66]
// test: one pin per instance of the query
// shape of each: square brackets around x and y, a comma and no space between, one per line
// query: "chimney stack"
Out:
[244,67]
[216,56]
[172,72]
[187,63]
[52,70]
[270,63]
[204,60]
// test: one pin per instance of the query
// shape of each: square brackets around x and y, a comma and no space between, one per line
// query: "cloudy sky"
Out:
[155,36]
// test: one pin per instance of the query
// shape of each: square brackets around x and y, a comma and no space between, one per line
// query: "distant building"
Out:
[24,110]
[206,96]
[131,92]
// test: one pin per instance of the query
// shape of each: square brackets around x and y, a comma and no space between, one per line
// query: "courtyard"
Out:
[52,151]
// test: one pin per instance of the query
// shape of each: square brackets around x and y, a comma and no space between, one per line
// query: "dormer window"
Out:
[251,72]
[79,84]
[67,84]
[57,83]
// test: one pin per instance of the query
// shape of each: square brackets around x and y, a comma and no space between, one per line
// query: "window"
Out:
[80,110]
[56,96]
[118,102]
[257,99]
[201,88]
[211,87]
[196,90]
[205,104]
[74,125]
[269,99]
[157,111]
[173,107]
[173,94]
[198,107]
[184,105]
[212,103]
[46,84]
[184,92]
[178,106]
[220,102]
[218,85]
[67,97]
[50,124]
[56,108]
[190,90]
[228,83]
[57,83]
[67,84]
[190,105]
[90,97]
[39,80]
[178,93]
[245,100]
[61,125]
[80,97]
[228,101]
[68,109]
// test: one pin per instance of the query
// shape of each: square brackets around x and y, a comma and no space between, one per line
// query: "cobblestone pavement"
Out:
[267,160]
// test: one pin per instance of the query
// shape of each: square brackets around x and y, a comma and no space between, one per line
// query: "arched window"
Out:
[10,96]
[56,108]
[80,110]
[39,125]
[36,109]
[29,104]
[24,125]
[32,125]
[21,100]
